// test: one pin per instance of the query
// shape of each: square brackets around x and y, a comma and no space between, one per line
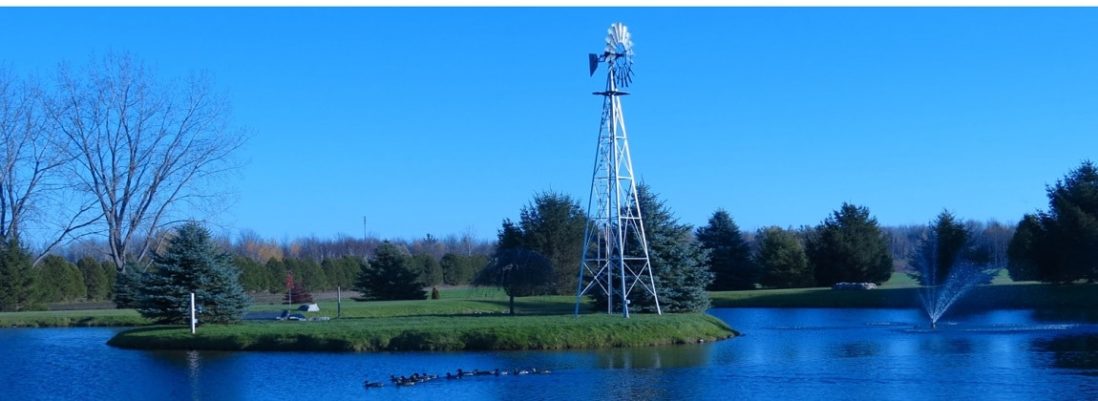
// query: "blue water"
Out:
[785,354]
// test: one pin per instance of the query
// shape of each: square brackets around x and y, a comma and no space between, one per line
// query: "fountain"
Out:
[937,298]
[938,295]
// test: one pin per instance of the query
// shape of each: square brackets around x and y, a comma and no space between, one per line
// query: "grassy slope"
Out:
[903,293]
[72,318]
[437,333]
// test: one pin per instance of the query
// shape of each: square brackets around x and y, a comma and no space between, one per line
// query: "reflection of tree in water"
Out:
[1077,352]
[857,349]
[1066,315]
[934,344]
[682,356]
[210,374]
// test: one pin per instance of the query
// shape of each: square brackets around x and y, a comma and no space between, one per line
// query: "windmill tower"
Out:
[615,258]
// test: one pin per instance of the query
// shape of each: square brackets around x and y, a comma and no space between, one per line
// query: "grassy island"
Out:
[458,322]
[436,333]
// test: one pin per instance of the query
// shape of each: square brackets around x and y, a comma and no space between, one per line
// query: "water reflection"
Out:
[800,354]
[1076,352]
[683,356]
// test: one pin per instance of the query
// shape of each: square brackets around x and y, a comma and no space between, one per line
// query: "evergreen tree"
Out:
[342,271]
[461,269]
[60,281]
[127,287]
[782,259]
[276,273]
[1027,249]
[253,276]
[678,262]
[430,273]
[552,226]
[947,244]
[307,273]
[95,279]
[389,276]
[111,273]
[17,277]
[729,255]
[849,246]
[1061,245]
[192,263]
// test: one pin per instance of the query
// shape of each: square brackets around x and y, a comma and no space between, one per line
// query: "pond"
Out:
[785,354]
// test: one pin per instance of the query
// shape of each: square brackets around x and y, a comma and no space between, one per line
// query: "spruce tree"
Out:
[849,246]
[678,262]
[389,276]
[17,277]
[192,263]
[127,287]
[782,259]
[729,255]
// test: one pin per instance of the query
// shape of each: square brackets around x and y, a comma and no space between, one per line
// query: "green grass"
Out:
[72,318]
[437,333]
[545,305]
[995,296]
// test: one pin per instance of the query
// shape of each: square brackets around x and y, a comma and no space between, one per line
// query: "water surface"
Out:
[787,354]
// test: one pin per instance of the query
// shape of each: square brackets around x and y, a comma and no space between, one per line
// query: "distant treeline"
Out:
[317,264]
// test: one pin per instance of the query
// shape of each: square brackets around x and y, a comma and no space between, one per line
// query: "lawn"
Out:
[437,333]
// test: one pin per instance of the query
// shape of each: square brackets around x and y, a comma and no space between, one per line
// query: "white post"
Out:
[193,320]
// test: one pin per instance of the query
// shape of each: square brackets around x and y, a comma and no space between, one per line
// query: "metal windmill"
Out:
[615,250]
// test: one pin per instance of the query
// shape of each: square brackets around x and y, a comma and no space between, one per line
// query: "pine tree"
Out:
[253,276]
[17,277]
[678,262]
[430,273]
[95,280]
[60,281]
[389,276]
[849,246]
[948,243]
[729,255]
[342,271]
[552,226]
[461,269]
[192,263]
[782,259]
[1061,245]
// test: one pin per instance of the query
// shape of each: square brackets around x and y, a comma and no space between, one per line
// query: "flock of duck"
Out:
[417,378]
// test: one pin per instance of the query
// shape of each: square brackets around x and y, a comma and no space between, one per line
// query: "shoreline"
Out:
[436,333]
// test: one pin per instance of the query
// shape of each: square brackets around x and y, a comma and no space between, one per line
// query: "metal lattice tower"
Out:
[615,250]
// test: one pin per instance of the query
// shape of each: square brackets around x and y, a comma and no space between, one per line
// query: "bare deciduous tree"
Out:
[140,147]
[31,185]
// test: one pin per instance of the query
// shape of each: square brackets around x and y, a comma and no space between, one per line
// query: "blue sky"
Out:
[445,120]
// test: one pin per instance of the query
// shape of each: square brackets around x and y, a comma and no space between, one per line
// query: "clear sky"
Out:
[446,120]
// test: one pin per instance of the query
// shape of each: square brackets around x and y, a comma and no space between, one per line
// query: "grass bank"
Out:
[73,318]
[998,296]
[437,333]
